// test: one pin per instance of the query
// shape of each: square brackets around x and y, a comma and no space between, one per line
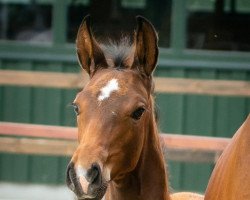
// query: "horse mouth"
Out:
[96,194]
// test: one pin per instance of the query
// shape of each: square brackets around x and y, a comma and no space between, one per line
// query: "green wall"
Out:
[200,115]
[39,106]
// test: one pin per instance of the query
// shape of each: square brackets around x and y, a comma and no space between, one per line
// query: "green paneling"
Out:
[170,103]
[14,167]
[247,100]
[195,176]
[41,106]
[46,103]
[16,100]
[230,111]
[6,165]
[1,97]
[172,123]
[61,169]
[68,114]
[2,160]
[237,106]
[43,169]
[198,115]
[199,110]
[15,107]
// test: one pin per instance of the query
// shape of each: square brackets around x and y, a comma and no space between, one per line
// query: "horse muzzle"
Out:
[86,184]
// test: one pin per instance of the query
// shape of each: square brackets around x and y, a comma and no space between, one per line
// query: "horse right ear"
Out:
[146,45]
[90,56]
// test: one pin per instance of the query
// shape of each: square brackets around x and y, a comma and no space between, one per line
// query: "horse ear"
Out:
[90,56]
[146,45]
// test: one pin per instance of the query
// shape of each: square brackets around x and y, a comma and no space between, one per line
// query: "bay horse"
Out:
[119,155]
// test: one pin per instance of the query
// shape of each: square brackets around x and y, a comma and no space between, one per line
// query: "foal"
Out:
[119,156]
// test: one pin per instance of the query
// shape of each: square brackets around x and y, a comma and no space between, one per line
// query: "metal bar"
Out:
[178,26]
[59,23]
[190,58]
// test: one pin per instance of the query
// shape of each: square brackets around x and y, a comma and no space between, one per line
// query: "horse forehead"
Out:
[107,85]
[110,87]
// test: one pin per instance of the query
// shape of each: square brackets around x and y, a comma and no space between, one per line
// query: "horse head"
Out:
[113,109]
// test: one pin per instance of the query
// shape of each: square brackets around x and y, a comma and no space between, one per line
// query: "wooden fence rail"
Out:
[163,85]
[62,141]
[55,140]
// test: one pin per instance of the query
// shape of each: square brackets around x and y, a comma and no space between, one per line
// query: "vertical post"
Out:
[4,21]
[178,25]
[59,23]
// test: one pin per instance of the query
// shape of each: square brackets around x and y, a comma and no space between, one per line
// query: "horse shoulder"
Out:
[186,196]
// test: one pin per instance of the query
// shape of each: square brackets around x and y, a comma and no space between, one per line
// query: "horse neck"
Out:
[149,179]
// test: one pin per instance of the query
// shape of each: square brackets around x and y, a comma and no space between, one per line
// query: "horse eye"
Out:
[76,108]
[138,113]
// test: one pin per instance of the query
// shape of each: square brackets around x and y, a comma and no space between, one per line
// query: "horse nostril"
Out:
[70,175]
[94,174]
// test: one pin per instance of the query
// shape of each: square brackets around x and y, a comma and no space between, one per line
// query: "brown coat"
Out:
[230,179]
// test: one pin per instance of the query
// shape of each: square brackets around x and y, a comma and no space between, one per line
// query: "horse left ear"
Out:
[90,55]
[146,45]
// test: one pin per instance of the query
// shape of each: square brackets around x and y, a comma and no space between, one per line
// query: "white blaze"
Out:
[106,91]
[81,174]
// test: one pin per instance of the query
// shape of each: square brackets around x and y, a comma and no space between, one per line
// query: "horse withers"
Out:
[119,156]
